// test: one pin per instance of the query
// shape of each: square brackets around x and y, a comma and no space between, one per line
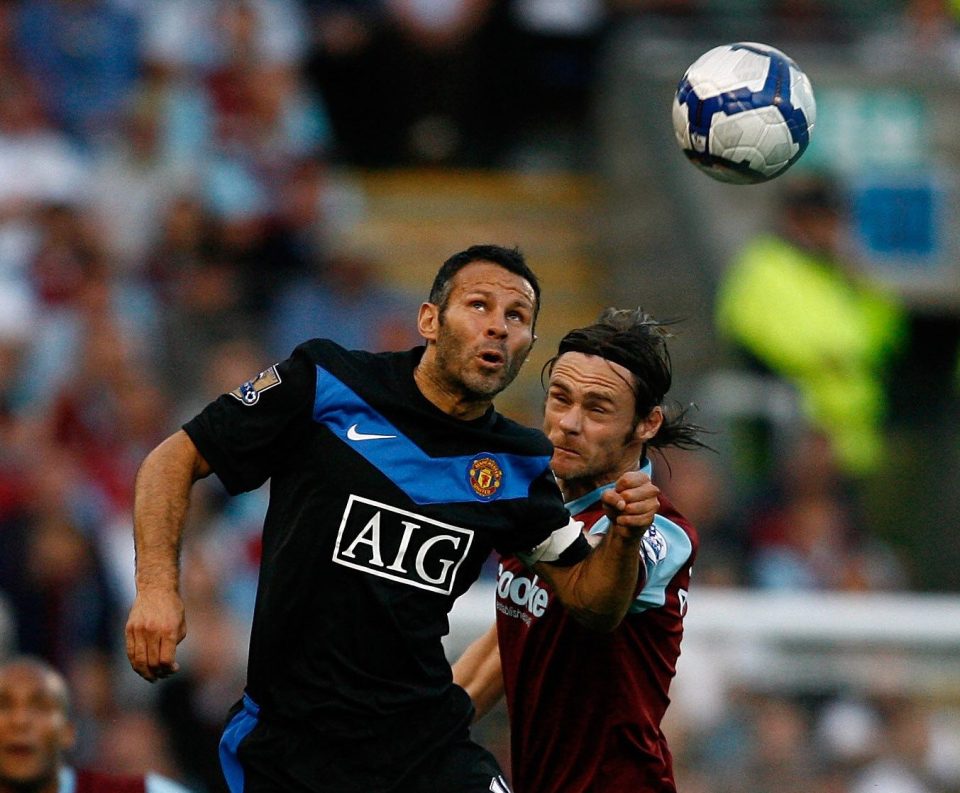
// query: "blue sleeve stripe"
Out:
[409,467]
[660,574]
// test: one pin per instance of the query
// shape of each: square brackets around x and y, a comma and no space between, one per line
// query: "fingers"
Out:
[151,643]
[634,500]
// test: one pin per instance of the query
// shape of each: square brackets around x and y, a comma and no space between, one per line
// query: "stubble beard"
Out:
[475,385]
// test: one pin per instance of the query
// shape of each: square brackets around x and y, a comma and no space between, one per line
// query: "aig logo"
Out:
[402,546]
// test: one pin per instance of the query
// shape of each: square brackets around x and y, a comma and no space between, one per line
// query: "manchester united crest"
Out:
[486,476]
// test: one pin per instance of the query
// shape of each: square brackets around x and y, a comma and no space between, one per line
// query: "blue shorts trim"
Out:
[238,728]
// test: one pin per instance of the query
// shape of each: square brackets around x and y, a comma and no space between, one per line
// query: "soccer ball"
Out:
[743,113]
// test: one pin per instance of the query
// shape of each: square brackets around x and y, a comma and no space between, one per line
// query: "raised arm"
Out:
[157,624]
[598,591]
[478,671]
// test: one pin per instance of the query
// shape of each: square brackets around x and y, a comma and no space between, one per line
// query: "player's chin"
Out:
[490,382]
[565,465]
[21,770]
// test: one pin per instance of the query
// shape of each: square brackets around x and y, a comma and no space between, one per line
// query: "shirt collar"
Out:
[587,499]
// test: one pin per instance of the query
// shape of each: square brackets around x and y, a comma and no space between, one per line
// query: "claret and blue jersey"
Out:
[608,690]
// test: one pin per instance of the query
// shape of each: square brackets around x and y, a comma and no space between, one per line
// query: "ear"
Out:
[526,357]
[428,321]
[650,426]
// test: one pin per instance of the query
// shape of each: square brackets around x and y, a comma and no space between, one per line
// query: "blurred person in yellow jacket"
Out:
[794,304]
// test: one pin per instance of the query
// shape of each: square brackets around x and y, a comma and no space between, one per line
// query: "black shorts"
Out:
[260,758]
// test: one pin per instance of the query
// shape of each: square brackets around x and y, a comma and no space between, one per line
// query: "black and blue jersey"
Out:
[383,509]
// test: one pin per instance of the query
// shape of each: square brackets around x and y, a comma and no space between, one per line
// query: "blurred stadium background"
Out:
[190,187]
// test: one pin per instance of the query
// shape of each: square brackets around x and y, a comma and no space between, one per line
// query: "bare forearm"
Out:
[599,590]
[161,501]
[479,672]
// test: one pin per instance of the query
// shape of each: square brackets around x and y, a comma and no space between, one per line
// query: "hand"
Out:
[632,503]
[156,625]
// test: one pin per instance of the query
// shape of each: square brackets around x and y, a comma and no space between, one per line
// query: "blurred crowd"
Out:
[175,196]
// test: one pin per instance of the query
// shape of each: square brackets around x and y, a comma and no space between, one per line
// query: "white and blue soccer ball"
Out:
[743,112]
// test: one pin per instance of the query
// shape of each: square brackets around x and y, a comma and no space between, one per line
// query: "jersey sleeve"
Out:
[245,434]
[666,549]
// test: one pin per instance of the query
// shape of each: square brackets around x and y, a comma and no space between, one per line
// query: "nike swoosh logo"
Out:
[354,435]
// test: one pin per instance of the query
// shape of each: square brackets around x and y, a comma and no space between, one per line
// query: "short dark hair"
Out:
[44,669]
[638,342]
[508,258]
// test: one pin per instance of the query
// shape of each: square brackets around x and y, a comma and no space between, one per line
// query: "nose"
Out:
[569,421]
[497,327]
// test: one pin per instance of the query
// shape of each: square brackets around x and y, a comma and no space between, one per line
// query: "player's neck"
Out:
[454,402]
[574,488]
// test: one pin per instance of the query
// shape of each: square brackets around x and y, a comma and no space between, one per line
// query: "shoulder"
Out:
[669,514]
[343,362]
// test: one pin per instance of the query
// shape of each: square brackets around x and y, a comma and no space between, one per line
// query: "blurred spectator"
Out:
[701,490]
[810,532]
[68,257]
[39,162]
[75,293]
[51,568]
[408,81]
[40,165]
[793,306]
[347,65]
[107,408]
[917,35]
[135,743]
[18,316]
[780,758]
[900,759]
[196,36]
[84,57]
[133,181]
[345,301]
[312,207]
[201,290]
[184,238]
[552,53]
[435,69]
[6,627]
[763,738]
[37,734]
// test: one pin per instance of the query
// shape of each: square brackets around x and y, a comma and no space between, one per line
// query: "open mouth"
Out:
[492,357]
[18,751]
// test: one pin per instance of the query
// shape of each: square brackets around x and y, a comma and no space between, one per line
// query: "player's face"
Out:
[589,418]
[34,728]
[485,332]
